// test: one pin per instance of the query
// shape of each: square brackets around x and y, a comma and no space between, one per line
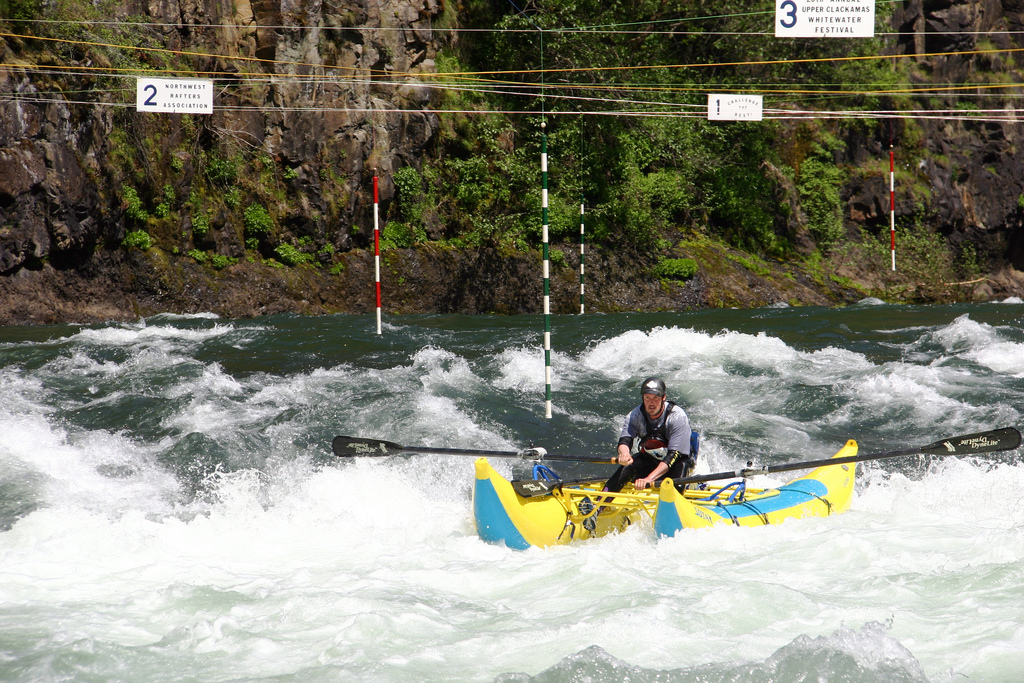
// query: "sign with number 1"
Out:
[824,18]
[735,107]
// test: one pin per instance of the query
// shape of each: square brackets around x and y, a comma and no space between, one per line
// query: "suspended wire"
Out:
[589,30]
[694,112]
[476,82]
[604,29]
[524,72]
[515,88]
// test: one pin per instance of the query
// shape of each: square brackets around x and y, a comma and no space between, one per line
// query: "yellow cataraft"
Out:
[548,512]
[570,511]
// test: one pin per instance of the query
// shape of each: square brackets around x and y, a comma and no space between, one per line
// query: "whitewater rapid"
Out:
[170,509]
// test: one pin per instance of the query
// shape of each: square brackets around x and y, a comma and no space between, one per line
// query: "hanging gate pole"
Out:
[582,230]
[376,246]
[547,270]
[892,205]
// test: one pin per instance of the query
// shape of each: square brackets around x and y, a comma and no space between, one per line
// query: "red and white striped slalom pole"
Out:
[376,246]
[892,206]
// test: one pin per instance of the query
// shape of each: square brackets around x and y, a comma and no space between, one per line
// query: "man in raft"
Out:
[655,441]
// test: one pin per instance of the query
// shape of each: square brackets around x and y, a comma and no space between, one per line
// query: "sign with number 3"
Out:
[824,18]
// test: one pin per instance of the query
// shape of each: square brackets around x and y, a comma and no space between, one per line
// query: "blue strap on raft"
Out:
[544,472]
[741,489]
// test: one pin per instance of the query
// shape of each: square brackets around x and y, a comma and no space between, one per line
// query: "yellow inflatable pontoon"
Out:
[555,513]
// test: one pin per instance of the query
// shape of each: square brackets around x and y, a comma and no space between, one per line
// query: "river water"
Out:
[170,509]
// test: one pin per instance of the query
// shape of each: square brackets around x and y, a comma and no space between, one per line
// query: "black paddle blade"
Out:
[528,488]
[350,446]
[1005,439]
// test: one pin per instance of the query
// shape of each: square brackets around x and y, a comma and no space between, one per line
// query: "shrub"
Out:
[257,220]
[675,268]
[20,9]
[135,211]
[753,264]
[557,258]
[290,256]
[138,239]
[200,225]
[199,255]
[219,261]
[221,171]
[819,184]
[408,188]
[163,209]
[399,236]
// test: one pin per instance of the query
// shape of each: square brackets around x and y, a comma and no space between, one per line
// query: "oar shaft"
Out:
[834,461]
[538,454]
[459,451]
[1005,439]
[349,446]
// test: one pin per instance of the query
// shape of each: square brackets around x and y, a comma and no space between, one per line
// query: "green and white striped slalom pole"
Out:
[547,281]
[582,231]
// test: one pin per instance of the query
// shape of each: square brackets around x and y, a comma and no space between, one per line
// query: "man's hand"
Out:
[641,484]
[625,458]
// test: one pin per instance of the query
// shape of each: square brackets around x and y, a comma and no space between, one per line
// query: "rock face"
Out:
[59,197]
[125,285]
[344,94]
[971,185]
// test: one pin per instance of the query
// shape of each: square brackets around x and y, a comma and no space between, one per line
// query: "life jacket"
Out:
[655,433]
[655,441]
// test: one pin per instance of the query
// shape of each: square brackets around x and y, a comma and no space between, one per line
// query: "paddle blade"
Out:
[1005,439]
[529,488]
[350,446]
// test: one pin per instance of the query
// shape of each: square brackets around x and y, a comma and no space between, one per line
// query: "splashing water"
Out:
[170,509]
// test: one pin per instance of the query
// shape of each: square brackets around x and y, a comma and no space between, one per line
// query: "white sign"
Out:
[735,107]
[175,95]
[824,18]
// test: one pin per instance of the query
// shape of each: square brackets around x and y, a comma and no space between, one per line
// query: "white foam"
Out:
[983,344]
[522,369]
[369,569]
[165,337]
[181,316]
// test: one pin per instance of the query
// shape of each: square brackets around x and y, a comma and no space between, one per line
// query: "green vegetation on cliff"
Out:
[620,90]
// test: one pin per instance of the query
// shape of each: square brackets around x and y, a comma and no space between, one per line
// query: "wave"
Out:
[865,655]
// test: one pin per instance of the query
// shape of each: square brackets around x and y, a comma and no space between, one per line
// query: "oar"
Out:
[1005,439]
[348,446]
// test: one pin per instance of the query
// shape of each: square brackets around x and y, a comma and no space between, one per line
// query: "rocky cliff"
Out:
[963,179]
[308,112]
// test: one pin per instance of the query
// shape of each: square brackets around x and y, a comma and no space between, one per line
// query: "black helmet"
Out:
[652,385]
